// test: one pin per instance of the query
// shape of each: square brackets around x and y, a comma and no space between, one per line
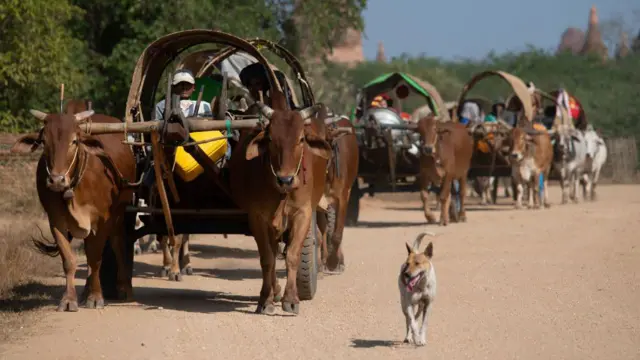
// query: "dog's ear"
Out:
[429,250]
[409,250]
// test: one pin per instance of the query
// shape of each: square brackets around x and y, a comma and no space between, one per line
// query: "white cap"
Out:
[183,75]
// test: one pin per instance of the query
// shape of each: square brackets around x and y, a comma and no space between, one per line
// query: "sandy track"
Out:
[561,283]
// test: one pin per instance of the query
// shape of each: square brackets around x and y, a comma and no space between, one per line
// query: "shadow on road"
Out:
[146,271]
[367,344]
[209,251]
[498,207]
[189,300]
[385,224]
[235,274]
[32,296]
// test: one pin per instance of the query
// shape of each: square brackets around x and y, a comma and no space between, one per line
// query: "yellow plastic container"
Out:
[187,167]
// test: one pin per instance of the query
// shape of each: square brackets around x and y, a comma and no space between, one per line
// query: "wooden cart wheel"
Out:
[307,280]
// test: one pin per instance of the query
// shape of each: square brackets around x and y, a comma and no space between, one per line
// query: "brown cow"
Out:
[531,155]
[278,177]
[342,172]
[446,156]
[81,185]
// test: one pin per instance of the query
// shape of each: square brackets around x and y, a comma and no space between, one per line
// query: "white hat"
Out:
[183,75]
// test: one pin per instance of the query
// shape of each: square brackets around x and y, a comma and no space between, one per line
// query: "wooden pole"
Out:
[61,97]
[195,124]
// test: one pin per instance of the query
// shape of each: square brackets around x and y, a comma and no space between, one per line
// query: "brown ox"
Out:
[278,177]
[81,185]
[531,155]
[445,156]
[342,172]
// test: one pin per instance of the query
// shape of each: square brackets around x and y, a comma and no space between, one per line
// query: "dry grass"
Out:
[21,266]
[18,193]
[19,260]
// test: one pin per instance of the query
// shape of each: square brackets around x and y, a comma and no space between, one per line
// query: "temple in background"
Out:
[578,42]
[349,51]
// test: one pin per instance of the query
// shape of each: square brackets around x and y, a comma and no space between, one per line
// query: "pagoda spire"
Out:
[380,56]
[593,43]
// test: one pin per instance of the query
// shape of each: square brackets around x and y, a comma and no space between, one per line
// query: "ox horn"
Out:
[308,112]
[38,114]
[266,110]
[83,115]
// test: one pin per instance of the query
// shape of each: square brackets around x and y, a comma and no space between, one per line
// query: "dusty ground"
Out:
[550,284]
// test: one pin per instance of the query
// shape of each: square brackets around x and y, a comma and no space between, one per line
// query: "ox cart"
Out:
[387,141]
[198,201]
[491,144]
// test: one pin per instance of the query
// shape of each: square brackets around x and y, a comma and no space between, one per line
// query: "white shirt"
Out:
[187,107]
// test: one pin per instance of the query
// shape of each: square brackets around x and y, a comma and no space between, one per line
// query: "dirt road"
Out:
[561,283]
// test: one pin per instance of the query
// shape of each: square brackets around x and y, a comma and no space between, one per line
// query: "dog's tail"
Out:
[418,240]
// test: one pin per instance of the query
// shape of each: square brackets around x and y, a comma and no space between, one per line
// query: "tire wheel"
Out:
[331,226]
[307,279]
[353,208]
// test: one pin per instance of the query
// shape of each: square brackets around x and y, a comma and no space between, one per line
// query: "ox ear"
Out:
[256,146]
[317,145]
[26,144]
[93,145]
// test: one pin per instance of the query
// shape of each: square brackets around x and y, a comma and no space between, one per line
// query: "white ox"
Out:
[596,157]
[571,160]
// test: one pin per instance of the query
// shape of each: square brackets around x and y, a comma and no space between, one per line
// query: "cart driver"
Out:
[496,112]
[254,77]
[183,84]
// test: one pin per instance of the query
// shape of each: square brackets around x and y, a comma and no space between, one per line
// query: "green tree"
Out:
[36,55]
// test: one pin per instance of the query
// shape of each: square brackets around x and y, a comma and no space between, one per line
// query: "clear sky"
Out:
[471,28]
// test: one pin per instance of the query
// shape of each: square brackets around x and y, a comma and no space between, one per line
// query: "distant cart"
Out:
[491,140]
[388,143]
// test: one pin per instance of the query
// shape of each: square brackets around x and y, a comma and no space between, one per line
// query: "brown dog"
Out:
[417,283]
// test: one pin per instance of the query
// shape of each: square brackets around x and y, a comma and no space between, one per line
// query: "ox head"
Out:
[593,142]
[429,133]
[286,141]
[62,141]
[521,142]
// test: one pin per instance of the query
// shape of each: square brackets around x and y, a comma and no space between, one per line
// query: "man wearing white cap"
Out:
[183,84]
